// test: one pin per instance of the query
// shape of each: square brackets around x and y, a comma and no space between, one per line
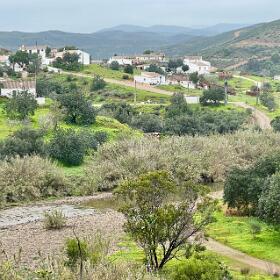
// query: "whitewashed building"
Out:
[122,60]
[181,80]
[84,57]
[197,64]
[4,59]
[150,78]
[150,58]
[8,87]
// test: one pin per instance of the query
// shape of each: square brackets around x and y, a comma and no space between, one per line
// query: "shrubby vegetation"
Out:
[197,159]
[159,226]
[21,105]
[30,178]
[256,189]
[23,142]
[69,62]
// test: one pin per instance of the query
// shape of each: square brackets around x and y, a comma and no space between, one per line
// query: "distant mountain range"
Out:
[123,39]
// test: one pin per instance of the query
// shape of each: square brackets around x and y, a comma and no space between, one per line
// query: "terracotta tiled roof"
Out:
[23,84]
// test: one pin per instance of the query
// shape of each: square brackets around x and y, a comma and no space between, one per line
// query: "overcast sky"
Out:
[92,15]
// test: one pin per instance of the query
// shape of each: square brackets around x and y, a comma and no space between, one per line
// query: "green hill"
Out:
[258,42]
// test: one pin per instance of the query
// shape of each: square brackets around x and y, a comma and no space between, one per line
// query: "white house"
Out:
[197,64]
[150,58]
[181,80]
[84,57]
[122,60]
[8,87]
[150,78]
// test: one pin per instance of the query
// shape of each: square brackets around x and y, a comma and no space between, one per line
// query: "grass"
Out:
[236,233]
[179,88]
[106,72]
[129,251]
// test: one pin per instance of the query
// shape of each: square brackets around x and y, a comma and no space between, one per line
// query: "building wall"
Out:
[9,92]
[160,80]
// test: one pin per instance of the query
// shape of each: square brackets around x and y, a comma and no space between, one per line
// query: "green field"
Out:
[106,72]
[236,233]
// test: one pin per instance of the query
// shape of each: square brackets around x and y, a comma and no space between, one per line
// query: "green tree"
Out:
[275,123]
[21,58]
[174,64]
[148,123]
[77,109]
[269,206]
[123,112]
[69,62]
[98,83]
[23,142]
[213,95]
[128,69]
[21,105]
[178,105]
[147,52]
[268,100]
[115,66]
[68,147]
[159,225]
[185,68]
[194,77]
[155,68]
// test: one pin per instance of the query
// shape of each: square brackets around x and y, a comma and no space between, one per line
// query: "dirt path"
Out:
[226,251]
[261,118]
[21,228]
[126,83]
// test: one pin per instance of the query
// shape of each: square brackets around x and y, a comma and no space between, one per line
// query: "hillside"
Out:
[123,39]
[99,45]
[258,42]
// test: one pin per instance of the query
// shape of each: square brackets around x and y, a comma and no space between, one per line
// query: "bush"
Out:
[68,147]
[128,69]
[78,110]
[201,267]
[214,96]
[268,100]
[25,141]
[255,229]
[269,207]
[115,66]
[98,83]
[30,178]
[275,123]
[54,220]
[21,105]
[125,77]
[148,123]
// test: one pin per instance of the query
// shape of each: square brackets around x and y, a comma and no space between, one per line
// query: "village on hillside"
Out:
[154,69]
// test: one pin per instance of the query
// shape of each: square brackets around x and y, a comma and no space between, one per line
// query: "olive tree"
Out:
[163,227]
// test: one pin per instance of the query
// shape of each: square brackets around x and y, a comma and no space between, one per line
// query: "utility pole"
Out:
[135,92]
[226,91]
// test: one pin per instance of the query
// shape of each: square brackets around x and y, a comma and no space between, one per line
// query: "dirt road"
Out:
[261,118]
[22,228]
[126,83]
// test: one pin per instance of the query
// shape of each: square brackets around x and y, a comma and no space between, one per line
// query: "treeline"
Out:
[178,118]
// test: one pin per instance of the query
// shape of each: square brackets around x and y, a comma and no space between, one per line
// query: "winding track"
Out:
[29,216]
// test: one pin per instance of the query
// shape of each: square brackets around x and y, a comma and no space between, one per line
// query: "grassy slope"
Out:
[236,233]
[106,72]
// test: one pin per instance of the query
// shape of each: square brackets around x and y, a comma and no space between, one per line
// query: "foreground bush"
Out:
[54,220]
[187,158]
[30,178]
[203,268]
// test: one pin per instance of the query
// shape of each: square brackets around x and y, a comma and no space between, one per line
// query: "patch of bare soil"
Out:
[33,240]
